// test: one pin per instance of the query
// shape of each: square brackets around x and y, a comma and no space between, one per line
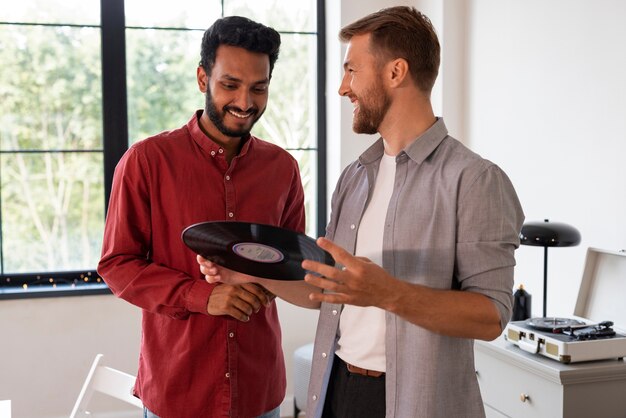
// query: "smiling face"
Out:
[236,91]
[362,84]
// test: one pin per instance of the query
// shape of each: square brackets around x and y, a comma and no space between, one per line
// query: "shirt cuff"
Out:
[198,296]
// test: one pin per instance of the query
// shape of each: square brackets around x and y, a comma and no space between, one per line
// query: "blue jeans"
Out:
[271,414]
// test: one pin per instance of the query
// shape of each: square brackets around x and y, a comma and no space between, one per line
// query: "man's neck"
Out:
[231,145]
[404,122]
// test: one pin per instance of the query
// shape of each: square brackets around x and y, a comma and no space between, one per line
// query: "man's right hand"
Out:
[296,292]
[214,273]
[238,301]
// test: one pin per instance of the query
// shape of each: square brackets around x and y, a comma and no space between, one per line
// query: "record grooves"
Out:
[255,249]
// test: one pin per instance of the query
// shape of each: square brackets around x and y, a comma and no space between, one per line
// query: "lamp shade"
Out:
[549,234]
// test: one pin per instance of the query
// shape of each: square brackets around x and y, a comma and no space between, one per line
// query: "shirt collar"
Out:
[418,150]
[206,143]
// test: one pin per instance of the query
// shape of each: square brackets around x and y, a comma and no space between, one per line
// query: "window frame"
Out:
[116,142]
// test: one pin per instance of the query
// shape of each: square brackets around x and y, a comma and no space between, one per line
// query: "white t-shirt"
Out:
[362,329]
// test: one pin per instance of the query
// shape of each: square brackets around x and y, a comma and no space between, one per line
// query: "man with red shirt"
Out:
[207,350]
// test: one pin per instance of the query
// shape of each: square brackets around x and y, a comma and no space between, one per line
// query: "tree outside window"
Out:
[52,187]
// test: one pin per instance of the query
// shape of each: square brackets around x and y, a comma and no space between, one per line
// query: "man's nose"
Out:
[243,100]
[344,87]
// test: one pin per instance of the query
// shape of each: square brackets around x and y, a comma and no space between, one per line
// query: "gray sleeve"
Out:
[489,221]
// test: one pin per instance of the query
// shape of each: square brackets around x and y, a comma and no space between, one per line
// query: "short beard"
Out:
[218,119]
[370,116]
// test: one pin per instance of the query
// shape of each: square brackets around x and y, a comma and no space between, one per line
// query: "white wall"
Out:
[547,102]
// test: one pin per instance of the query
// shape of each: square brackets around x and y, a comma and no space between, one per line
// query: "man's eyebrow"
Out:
[229,77]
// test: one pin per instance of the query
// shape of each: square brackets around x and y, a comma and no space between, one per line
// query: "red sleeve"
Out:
[294,214]
[126,264]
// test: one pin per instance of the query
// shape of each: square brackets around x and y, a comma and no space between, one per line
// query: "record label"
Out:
[259,250]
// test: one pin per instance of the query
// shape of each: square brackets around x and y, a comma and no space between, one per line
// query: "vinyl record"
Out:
[553,324]
[255,249]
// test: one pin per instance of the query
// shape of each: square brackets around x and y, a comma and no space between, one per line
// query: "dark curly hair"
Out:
[241,32]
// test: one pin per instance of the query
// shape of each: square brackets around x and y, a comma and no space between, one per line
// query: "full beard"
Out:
[369,116]
[217,118]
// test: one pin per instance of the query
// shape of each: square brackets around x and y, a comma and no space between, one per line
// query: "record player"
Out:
[593,332]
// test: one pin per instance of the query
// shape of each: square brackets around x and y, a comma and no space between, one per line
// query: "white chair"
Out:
[5,409]
[111,382]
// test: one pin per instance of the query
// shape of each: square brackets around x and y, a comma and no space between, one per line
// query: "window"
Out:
[81,80]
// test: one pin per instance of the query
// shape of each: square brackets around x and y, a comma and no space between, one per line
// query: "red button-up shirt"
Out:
[193,364]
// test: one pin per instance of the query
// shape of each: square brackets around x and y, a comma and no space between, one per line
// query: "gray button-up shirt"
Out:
[453,222]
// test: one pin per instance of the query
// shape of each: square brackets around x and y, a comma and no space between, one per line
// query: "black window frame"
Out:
[116,142]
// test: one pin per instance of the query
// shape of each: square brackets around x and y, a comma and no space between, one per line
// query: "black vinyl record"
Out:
[553,324]
[255,249]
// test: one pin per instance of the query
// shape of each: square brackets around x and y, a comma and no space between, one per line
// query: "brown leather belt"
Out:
[363,372]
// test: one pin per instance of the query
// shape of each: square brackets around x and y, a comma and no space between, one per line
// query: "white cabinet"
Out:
[518,384]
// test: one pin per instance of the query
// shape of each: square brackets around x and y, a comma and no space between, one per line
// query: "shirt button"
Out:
[227,375]
[230,214]
[335,312]
[227,177]
[352,226]
[314,397]
[231,335]
[213,153]
[323,355]
[220,150]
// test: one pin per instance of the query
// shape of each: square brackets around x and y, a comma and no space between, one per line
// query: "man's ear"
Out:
[397,71]
[203,79]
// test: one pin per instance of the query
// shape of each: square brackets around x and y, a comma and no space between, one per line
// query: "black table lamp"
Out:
[548,234]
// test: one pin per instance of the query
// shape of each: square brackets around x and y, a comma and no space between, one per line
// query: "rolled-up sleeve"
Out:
[489,221]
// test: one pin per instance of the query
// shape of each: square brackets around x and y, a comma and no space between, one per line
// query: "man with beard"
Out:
[423,232]
[441,221]
[207,350]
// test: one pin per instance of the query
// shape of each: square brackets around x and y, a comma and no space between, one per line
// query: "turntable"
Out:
[580,338]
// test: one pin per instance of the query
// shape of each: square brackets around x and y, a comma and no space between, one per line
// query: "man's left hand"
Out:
[359,282]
